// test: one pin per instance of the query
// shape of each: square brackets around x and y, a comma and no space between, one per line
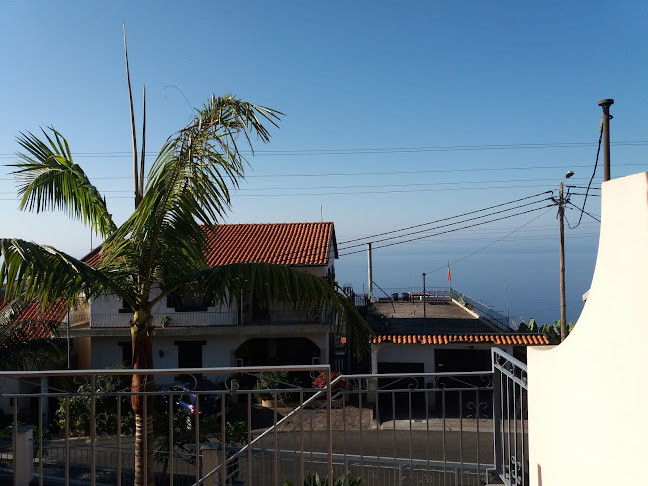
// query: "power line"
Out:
[598,151]
[401,172]
[481,182]
[537,227]
[450,231]
[583,211]
[442,219]
[496,241]
[354,193]
[415,184]
[446,225]
[379,150]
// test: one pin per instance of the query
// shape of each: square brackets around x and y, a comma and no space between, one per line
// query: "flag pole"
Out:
[449,277]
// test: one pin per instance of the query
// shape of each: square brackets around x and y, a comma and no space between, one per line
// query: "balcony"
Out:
[83,320]
[390,429]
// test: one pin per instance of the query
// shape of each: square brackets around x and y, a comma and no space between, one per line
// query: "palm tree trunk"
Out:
[140,423]
[142,340]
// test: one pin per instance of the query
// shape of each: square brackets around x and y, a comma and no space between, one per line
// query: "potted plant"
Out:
[268,380]
[165,321]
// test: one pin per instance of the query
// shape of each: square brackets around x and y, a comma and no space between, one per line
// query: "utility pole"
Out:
[69,344]
[605,121]
[370,271]
[424,296]
[561,218]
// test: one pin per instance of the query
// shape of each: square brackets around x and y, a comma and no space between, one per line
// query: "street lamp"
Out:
[561,217]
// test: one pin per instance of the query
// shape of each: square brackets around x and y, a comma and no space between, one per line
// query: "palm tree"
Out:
[159,250]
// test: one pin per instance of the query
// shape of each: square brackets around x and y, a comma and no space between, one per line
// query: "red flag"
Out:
[449,277]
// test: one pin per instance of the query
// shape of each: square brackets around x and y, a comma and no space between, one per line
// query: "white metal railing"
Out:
[483,310]
[160,320]
[413,294]
[389,429]
[197,318]
[510,419]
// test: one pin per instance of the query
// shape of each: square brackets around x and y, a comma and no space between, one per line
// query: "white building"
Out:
[192,332]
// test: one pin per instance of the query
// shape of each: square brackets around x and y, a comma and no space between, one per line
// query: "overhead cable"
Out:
[493,242]
[444,219]
[444,225]
[450,230]
[598,151]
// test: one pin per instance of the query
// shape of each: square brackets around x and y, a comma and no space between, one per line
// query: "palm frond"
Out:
[189,186]
[46,275]
[50,180]
[271,284]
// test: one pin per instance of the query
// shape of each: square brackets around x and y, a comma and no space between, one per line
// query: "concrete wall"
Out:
[587,396]
[218,350]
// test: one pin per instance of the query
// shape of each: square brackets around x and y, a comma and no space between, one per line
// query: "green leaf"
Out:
[49,180]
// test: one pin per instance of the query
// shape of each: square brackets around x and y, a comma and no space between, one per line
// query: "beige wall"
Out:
[588,396]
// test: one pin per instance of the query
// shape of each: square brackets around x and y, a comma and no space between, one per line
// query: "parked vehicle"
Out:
[185,398]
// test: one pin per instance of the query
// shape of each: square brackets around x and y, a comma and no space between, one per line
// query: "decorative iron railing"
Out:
[510,422]
[388,429]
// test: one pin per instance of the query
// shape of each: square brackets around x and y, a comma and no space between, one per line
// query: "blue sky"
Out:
[374,94]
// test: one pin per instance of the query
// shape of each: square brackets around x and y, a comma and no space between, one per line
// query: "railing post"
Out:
[329,426]
[210,461]
[23,455]
[497,410]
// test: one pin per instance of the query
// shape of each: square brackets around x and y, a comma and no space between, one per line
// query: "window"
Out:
[189,303]
[126,353]
[125,308]
[190,353]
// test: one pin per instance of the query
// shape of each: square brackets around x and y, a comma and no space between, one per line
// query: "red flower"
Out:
[320,381]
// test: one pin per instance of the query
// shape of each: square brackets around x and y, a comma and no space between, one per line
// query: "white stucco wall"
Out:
[217,352]
[587,396]
[104,310]
[405,353]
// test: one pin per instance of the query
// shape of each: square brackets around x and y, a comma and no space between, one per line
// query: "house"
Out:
[440,332]
[18,352]
[437,331]
[191,332]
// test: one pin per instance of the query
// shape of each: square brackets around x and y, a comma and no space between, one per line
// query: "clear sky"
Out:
[396,114]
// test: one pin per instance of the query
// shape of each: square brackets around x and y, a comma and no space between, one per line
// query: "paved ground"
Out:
[349,418]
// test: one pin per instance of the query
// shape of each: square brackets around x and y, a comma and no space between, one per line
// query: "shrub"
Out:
[320,381]
[267,380]
[105,405]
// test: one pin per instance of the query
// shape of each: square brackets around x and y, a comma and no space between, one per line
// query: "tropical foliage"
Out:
[106,392]
[184,437]
[269,380]
[552,331]
[159,249]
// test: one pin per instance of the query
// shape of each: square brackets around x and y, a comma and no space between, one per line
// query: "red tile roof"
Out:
[93,257]
[38,327]
[281,243]
[441,339]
